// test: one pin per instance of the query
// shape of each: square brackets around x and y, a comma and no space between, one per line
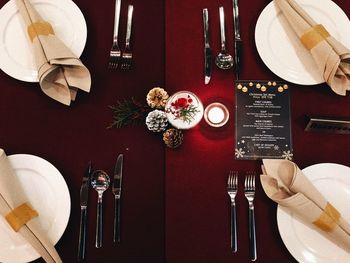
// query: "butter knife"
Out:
[117,190]
[84,196]
[238,40]
[207,49]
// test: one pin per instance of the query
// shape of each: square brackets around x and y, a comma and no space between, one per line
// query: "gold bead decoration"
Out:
[285,86]
[251,84]
[269,83]
[274,83]
[244,89]
[258,86]
[280,89]
[263,88]
[239,86]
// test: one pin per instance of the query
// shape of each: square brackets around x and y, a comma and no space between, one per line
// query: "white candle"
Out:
[216,114]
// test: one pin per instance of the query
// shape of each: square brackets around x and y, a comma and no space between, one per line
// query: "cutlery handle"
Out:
[129,25]
[222,29]
[116,234]
[233,228]
[252,235]
[206,27]
[82,234]
[236,19]
[99,226]
[116,20]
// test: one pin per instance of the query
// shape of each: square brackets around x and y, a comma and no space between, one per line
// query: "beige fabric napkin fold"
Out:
[331,57]
[11,196]
[60,72]
[286,184]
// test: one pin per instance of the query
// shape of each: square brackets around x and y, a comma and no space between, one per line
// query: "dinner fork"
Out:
[232,186]
[127,54]
[115,53]
[249,192]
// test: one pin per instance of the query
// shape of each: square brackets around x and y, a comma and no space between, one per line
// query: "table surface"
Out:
[175,207]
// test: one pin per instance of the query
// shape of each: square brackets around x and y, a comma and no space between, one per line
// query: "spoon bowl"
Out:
[224,61]
[100,182]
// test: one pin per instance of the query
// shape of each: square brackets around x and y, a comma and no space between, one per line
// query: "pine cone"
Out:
[156,121]
[157,98]
[173,138]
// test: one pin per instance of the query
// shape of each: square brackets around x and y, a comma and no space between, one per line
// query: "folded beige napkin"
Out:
[11,197]
[60,72]
[286,184]
[331,57]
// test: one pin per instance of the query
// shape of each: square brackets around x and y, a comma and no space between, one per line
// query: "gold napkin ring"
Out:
[328,219]
[313,36]
[39,28]
[20,216]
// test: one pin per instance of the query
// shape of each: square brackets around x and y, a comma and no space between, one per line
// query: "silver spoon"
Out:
[100,182]
[223,59]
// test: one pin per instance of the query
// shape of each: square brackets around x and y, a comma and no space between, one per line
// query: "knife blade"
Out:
[84,196]
[207,50]
[238,41]
[117,190]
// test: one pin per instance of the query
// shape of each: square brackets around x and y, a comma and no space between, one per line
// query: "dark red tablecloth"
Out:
[188,219]
[197,204]
[69,137]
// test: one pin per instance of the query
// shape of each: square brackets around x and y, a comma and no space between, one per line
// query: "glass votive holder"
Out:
[184,110]
[216,114]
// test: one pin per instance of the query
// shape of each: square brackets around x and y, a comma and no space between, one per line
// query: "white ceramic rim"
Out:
[297,236]
[283,53]
[57,194]
[9,13]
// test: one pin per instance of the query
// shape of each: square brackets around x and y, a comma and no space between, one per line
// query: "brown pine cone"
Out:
[173,138]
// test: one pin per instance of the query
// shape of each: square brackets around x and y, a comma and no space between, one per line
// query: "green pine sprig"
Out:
[128,112]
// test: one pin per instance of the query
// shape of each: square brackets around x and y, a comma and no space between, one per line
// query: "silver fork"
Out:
[232,186]
[249,192]
[115,53]
[127,54]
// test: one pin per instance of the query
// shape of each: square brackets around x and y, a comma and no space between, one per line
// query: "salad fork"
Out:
[115,53]
[127,54]
[249,192]
[232,186]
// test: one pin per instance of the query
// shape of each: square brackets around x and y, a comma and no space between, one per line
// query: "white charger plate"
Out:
[304,242]
[48,193]
[281,50]
[16,54]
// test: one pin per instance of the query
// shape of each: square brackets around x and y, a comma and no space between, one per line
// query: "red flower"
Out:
[181,103]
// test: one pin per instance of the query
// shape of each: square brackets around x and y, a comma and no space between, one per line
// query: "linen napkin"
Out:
[60,72]
[285,183]
[11,197]
[331,57]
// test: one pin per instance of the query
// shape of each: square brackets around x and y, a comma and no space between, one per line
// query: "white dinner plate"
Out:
[304,242]
[281,50]
[16,56]
[48,193]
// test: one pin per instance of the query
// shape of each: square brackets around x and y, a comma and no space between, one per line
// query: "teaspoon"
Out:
[100,182]
[223,59]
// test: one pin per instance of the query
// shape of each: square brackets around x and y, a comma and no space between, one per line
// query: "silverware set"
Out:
[100,181]
[249,192]
[223,60]
[117,57]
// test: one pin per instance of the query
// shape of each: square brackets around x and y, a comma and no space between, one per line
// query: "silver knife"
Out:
[238,41]
[207,49]
[84,196]
[117,190]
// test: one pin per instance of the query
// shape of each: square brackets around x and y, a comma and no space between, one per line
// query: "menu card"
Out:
[263,127]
